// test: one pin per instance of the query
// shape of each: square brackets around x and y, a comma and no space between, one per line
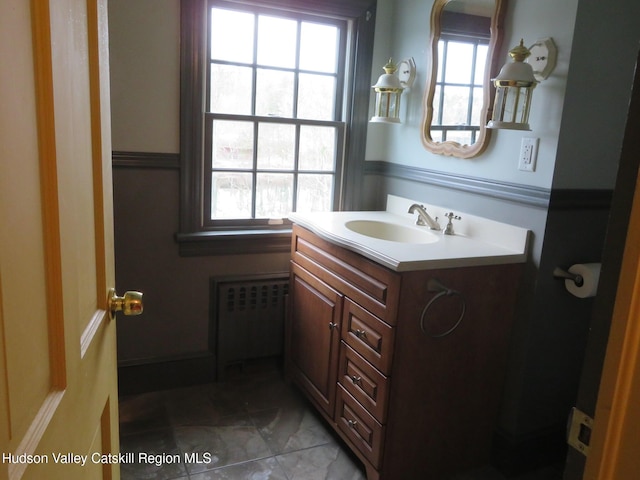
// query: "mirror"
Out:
[465,36]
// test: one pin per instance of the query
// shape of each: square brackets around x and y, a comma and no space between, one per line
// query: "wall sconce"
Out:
[543,58]
[389,88]
[516,81]
[514,87]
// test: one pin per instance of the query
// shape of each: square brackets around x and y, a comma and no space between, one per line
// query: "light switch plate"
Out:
[528,154]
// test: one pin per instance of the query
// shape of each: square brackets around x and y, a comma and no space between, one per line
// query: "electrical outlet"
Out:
[528,154]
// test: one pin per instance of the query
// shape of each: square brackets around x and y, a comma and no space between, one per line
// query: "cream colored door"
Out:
[58,389]
[615,448]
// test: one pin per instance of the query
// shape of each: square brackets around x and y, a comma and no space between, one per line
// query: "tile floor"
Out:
[253,426]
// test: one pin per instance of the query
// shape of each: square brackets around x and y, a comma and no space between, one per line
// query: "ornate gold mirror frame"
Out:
[451,148]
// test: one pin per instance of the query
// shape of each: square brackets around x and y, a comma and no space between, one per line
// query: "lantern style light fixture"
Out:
[389,88]
[514,88]
[516,81]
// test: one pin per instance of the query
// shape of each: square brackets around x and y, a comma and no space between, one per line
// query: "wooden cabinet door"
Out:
[314,336]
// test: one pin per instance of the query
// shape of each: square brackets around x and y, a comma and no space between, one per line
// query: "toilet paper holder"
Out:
[562,273]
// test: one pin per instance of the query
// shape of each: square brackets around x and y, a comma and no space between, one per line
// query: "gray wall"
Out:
[175,323]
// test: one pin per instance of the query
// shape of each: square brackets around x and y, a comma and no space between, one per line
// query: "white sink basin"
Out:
[392,239]
[392,232]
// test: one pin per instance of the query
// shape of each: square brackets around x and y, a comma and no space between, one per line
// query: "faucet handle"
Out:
[449,228]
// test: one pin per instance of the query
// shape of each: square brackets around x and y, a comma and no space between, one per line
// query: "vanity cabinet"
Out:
[409,404]
[315,336]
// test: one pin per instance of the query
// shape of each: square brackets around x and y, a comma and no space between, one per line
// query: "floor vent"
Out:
[248,318]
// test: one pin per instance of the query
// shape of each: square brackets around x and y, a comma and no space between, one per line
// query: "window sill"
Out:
[234,242]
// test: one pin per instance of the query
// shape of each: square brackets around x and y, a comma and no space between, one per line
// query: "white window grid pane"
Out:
[315,192]
[273,75]
[232,144]
[456,98]
[314,93]
[318,47]
[461,122]
[317,149]
[276,146]
[463,137]
[277,41]
[233,87]
[274,195]
[232,35]
[481,64]
[231,195]
[275,92]
[459,70]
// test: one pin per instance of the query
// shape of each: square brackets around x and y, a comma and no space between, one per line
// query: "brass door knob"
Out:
[129,304]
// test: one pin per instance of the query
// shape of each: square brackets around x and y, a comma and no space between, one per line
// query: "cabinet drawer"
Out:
[359,426]
[368,335]
[363,382]
[371,285]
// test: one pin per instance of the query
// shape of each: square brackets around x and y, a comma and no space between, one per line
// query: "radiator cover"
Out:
[248,314]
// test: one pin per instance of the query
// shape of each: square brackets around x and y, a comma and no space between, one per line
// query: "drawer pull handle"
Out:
[360,333]
[332,325]
[352,423]
[356,379]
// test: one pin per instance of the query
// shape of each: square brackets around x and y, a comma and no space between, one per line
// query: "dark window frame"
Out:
[194,236]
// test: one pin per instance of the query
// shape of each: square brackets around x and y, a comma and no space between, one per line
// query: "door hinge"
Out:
[579,436]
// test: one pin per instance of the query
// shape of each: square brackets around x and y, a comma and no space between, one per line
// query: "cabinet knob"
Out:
[352,423]
[360,333]
[332,325]
[356,379]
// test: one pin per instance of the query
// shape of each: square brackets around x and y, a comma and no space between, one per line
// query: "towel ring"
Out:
[435,286]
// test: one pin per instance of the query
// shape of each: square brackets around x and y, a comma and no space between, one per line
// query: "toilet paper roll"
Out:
[590,273]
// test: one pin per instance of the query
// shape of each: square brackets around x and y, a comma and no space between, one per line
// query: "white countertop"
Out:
[477,241]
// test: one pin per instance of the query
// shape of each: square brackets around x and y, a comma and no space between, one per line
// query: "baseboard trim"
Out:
[167,373]
[516,455]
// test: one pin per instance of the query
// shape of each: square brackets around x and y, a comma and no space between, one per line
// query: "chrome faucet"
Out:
[423,217]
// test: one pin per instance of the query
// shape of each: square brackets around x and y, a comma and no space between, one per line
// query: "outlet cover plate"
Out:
[528,154]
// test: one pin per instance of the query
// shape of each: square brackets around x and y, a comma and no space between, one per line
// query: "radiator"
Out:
[248,315]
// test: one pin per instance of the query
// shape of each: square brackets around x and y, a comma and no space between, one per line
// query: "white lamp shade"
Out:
[388,81]
[516,73]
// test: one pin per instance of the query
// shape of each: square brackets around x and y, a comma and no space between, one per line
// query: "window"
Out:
[460,76]
[273,124]
[268,115]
